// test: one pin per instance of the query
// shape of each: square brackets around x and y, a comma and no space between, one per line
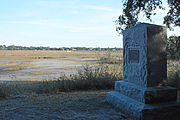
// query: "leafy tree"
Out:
[132,9]
[173,47]
[1,47]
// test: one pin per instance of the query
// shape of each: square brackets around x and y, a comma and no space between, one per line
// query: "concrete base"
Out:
[140,111]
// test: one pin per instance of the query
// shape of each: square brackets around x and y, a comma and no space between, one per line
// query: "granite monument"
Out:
[141,94]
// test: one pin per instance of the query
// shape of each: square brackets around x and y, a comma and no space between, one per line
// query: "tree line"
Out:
[173,48]
[14,47]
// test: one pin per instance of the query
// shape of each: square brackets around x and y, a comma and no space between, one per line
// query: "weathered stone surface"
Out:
[165,111]
[125,104]
[156,55]
[144,55]
[146,95]
[131,90]
[160,95]
[135,38]
[144,69]
[140,111]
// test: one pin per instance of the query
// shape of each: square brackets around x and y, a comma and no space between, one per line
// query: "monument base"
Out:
[140,111]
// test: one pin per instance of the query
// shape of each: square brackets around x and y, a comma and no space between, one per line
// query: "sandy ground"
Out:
[90,105]
[56,68]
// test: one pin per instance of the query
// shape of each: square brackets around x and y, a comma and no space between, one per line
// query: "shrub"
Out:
[173,73]
[89,77]
[4,90]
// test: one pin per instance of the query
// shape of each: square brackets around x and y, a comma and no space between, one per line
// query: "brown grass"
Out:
[31,55]
[37,67]
[69,68]
[96,76]
[9,64]
[41,72]
[18,67]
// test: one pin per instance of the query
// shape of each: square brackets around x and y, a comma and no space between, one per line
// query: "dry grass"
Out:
[69,68]
[41,72]
[34,79]
[31,55]
[9,64]
[38,80]
[86,62]
[96,76]
[18,67]
[37,67]
[89,77]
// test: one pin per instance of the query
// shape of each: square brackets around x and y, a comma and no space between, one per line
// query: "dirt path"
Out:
[63,106]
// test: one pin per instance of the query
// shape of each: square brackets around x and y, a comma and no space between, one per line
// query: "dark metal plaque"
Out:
[133,55]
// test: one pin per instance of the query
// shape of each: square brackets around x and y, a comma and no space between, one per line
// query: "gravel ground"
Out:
[90,105]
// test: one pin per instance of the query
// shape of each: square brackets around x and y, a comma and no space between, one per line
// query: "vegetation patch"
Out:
[18,67]
[173,73]
[34,79]
[37,67]
[4,90]
[90,77]
[41,72]
[86,62]
[9,64]
[69,68]
[69,59]
[94,75]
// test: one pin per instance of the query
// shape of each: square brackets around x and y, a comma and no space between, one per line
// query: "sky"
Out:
[64,23]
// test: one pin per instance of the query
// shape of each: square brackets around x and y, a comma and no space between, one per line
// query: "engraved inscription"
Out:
[133,55]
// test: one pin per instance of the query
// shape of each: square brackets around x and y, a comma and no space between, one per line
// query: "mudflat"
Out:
[39,70]
[33,65]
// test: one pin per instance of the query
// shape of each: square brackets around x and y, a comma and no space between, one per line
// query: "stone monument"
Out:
[141,93]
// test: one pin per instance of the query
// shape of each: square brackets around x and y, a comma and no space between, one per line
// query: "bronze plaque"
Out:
[133,55]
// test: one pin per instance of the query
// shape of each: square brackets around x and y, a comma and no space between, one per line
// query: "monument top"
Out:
[145,24]
[144,56]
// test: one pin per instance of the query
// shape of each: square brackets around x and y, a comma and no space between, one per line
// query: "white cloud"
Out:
[25,22]
[105,19]
[75,12]
[102,8]
[56,4]
[68,4]
[64,26]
